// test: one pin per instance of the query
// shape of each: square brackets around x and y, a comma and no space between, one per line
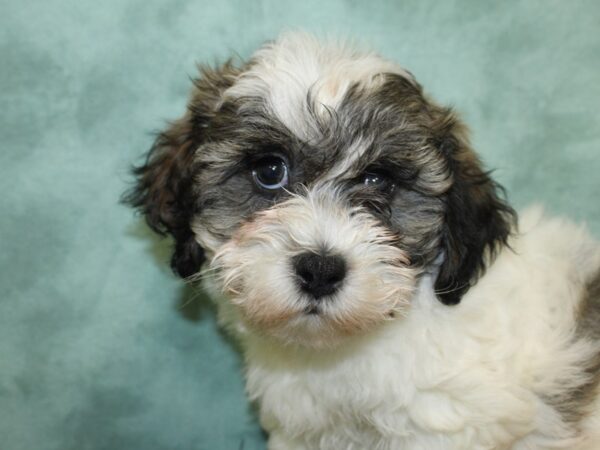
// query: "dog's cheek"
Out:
[256,280]
[375,293]
[270,299]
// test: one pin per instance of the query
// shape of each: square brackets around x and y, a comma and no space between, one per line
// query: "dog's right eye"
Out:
[270,173]
[378,180]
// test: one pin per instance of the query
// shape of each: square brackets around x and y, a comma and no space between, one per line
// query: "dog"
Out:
[383,291]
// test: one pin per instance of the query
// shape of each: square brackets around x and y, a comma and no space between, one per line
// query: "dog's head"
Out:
[319,183]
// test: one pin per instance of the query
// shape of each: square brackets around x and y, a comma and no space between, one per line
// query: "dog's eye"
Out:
[270,173]
[378,180]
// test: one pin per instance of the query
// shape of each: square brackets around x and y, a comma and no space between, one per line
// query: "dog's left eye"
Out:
[378,180]
[270,173]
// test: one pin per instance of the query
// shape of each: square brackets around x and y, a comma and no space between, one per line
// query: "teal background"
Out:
[100,346]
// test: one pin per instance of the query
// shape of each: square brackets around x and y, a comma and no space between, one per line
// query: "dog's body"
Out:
[345,217]
[499,371]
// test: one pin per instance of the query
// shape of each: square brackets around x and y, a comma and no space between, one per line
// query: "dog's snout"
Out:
[319,275]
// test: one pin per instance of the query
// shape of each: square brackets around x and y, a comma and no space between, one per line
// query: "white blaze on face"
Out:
[296,66]
[255,271]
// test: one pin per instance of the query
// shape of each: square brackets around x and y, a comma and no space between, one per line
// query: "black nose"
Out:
[319,275]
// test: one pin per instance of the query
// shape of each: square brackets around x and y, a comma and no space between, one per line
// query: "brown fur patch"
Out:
[575,406]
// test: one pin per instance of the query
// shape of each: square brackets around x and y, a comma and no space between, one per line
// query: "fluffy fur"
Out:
[451,327]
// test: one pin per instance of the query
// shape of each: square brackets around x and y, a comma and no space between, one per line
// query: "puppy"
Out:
[376,277]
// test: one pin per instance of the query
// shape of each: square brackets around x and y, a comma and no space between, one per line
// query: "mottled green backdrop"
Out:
[100,346]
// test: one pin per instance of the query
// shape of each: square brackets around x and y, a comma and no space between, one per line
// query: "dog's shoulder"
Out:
[558,239]
[547,287]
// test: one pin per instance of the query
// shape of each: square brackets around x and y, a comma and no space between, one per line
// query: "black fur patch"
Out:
[477,223]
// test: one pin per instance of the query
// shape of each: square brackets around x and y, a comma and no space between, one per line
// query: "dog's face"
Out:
[319,183]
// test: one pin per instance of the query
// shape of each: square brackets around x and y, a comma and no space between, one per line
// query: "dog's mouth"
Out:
[277,307]
[312,310]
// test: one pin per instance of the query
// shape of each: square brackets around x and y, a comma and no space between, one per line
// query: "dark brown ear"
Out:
[477,222]
[164,191]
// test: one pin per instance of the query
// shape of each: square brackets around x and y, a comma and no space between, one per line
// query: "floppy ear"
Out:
[477,220]
[164,192]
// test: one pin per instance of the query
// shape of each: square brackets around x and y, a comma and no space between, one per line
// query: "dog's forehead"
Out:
[301,79]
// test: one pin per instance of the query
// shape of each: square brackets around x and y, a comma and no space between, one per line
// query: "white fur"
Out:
[474,376]
[297,64]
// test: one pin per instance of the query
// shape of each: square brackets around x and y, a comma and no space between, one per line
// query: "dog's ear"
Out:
[477,219]
[164,191]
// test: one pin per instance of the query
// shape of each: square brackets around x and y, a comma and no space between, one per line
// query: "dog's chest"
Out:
[391,395]
[337,406]
[384,402]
